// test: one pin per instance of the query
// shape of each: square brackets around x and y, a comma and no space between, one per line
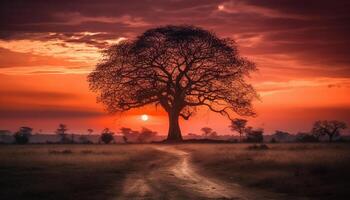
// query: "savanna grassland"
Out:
[316,171]
[68,171]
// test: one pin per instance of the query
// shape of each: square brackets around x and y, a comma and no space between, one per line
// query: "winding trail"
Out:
[174,177]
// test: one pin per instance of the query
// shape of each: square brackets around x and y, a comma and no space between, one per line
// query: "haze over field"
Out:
[47,48]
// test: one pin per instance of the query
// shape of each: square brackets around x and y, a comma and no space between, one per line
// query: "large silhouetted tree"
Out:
[330,128]
[178,68]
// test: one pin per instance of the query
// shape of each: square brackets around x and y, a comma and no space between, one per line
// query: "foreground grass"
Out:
[320,171]
[68,171]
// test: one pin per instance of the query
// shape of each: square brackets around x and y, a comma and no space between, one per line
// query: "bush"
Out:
[66,151]
[22,136]
[258,147]
[255,136]
[107,136]
[305,137]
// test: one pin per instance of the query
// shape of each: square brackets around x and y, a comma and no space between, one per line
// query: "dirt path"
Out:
[174,177]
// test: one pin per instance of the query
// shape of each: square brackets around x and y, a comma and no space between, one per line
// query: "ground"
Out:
[188,171]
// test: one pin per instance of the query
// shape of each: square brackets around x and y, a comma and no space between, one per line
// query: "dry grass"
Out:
[93,172]
[68,171]
[321,171]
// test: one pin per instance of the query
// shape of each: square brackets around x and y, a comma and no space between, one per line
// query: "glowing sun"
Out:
[144,117]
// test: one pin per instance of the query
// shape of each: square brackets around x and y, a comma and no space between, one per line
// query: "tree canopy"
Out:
[178,68]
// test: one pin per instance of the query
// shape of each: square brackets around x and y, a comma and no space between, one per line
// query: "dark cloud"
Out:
[46,113]
[36,95]
[10,58]
[313,32]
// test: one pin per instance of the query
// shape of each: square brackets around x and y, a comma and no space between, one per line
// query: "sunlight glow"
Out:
[144,117]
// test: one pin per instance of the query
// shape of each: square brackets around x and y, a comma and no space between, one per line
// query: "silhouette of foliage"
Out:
[239,126]
[254,135]
[273,140]
[90,131]
[281,136]
[209,132]
[178,68]
[258,147]
[129,135]
[306,137]
[83,139]
[62,132]
[22,136]
[146,135]
[329,128]
[107,136]
[206,131]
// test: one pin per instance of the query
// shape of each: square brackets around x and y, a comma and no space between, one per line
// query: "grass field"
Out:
[68,171]
[320,171]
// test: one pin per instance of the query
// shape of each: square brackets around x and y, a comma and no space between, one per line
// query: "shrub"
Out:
[107,136]
[305,137]
[258,147]
[255,136]
[22,136]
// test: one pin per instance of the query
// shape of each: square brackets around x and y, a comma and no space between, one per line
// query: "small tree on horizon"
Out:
[280,136]
[22,136]
[107,136]
[90,131]
[329,128]
[146,135]
[129,135]
[254,135]
[179,68]
[206,131]
[62,132]
[238,125]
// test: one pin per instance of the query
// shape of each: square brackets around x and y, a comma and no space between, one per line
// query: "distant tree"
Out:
[178,68]
[90,131]
[330,128]
[213,134]
[83,139]
[254,135]
[209,133]
[193,136]
[281,136]
[206,131]
[129,135]
[107,136]
[4,133]
[306,137]
[22,136]
[40,131]
[72,136]
[62,132]
[273,140]
[146,135]
[238,125]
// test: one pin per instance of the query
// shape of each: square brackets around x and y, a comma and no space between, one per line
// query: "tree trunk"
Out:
[174,132]
[330,137]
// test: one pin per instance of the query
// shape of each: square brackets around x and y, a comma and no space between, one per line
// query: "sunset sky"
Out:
[48,47]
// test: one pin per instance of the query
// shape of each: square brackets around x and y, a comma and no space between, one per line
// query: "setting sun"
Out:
[144,117]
